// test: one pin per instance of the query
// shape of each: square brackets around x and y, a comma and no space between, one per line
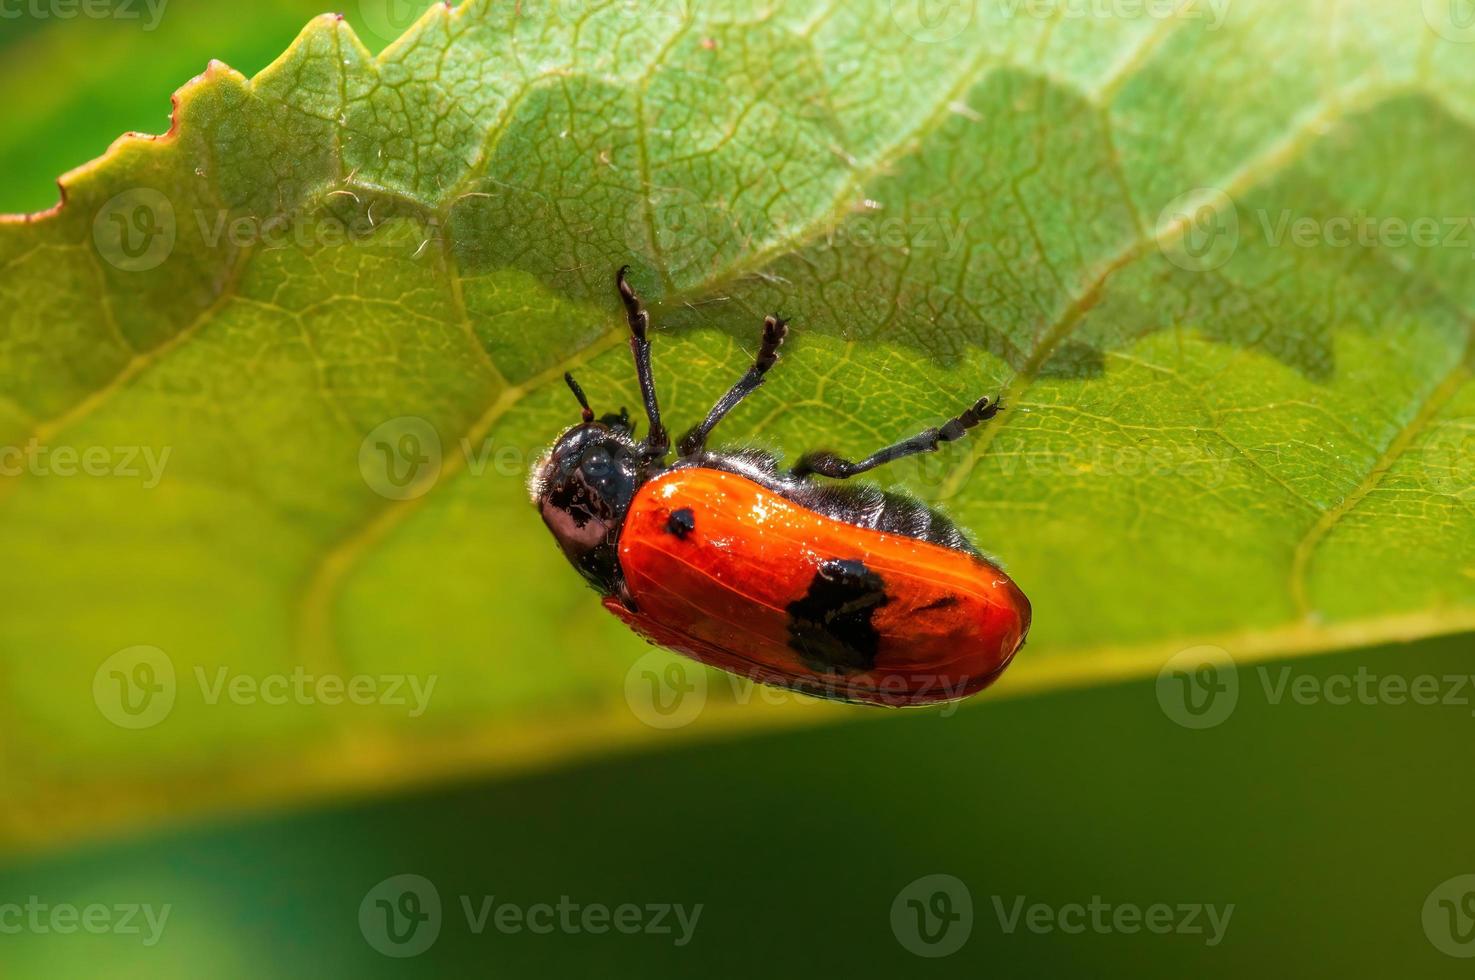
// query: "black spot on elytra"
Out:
[944,602]
[830,627]
[681,522]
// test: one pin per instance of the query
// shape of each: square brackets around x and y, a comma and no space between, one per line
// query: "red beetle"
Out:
[836,590]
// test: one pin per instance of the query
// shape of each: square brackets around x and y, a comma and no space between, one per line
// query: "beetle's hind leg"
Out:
[828,464]
[775,329]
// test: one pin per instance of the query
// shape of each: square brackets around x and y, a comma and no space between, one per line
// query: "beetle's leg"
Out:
[774,332]
[657,442]
[828,464]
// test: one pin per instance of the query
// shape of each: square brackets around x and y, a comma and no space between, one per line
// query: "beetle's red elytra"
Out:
[837,590]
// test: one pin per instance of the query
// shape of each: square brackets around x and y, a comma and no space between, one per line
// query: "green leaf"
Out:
[76,82]
[1222,428]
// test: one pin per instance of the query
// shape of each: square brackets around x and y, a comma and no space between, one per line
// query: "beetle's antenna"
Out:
[579,394]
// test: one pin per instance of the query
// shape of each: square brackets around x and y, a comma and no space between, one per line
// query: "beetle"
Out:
[835,590]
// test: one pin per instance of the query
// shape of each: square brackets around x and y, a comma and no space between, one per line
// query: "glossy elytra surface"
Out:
[734,575]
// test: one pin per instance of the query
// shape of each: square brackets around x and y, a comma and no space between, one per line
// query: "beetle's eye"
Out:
[597,463]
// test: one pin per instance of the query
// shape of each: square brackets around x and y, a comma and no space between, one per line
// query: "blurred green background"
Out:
[1326,826]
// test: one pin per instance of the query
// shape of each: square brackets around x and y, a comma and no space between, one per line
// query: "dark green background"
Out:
[1326,826]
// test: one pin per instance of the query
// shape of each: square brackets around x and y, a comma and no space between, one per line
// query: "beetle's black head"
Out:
[583,489]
